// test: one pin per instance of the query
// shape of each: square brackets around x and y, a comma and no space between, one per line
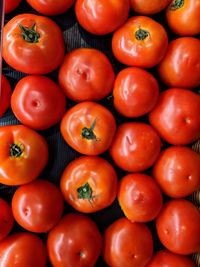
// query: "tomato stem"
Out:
[85,192]
[176,4]
[30,35]
[16,150]
[141,34]
[88,133]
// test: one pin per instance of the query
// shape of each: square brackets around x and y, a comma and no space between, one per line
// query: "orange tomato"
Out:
[147,7]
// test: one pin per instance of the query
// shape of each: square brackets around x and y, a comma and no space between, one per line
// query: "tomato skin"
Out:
[33,100]
[76,127]
[22,250]
[6,219]
[176,116]
[86,74]
[5,95]
[11,5]
[101,16]
[184,19]
[127,244]
[135,92]
[83,240]
[41,57]
[180,66]
[135,147]
[24,153]
[178,227]
[149,7]
[133,48]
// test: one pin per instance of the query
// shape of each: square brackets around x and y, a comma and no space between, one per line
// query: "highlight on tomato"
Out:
[5,95]
[6,219]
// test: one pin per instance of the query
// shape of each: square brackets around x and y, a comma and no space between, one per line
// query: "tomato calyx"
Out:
[30,35]
[88,133]
[85,192]
[141,34]
[16,150]
[176,4]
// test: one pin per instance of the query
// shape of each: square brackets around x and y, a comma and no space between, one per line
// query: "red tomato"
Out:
[183,17]
[177,171]
[135,92]
[180,66]
[37,206]
[101,16]
[176,116]
[89,184]
[22,250]
[6,219]
[5,95]
[74,241]
[10,5]
[86,74]
[135,147]
[178,226]
[33,44]
[149,7]
[88,128]
[139,197]
[24,153]
[136,43]
[127,244]
[38,102]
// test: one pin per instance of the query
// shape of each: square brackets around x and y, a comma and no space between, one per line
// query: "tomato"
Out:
[89,184]
[74,241]
[176,116]
[6,219]
[10,5]
[101,16]
[38,102]
[135,92]
[22,250]
[135,147]
[86,74]
[127,244]
[180,66]
[165,258]
[137,44]
[139,197]
[33,44]
[183,17]
[178,226]
[5,95]
[49,7]
[149,7]
[24,154]
[177,171]
[88,128]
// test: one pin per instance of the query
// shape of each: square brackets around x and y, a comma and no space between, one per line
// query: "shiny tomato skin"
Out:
[5,95]
[22,250]
[135,92]
[176,116]
[135,146]
[180,67]
[127,244]
[86,74]
[24,154]
[6,219]
[40,55]
[148,7]
[88,128]
[178,226]
[11,5]
[83,239]
[136,43]
[101,17]
[38,102]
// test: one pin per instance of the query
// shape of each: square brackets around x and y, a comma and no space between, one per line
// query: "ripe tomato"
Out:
[10,5]
[33,44]
[89,184]
[6,219]
[178,226]
[149,7]
[135,92]
[24,153]
[136,43]
[177,171]
[22,250]
[88,128]
[37,206]
[38,102]
[50,7]
[127,244]
[74,241]
[183,17]
[5,95]
[101,16]
[176,116]
[86,74]
[180,66]
[135,147]
[139,197]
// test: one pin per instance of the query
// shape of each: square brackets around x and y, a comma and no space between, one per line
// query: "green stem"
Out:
[176,4]
[88,133]
[85,192]
[30,35]
[141,34]
[16,150]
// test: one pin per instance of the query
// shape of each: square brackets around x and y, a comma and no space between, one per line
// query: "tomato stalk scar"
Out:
[176,4]
[141,34]
[85,192]
[88,133]
[16,150]
[30,35]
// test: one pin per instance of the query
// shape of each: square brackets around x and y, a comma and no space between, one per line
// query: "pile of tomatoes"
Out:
[130,116]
